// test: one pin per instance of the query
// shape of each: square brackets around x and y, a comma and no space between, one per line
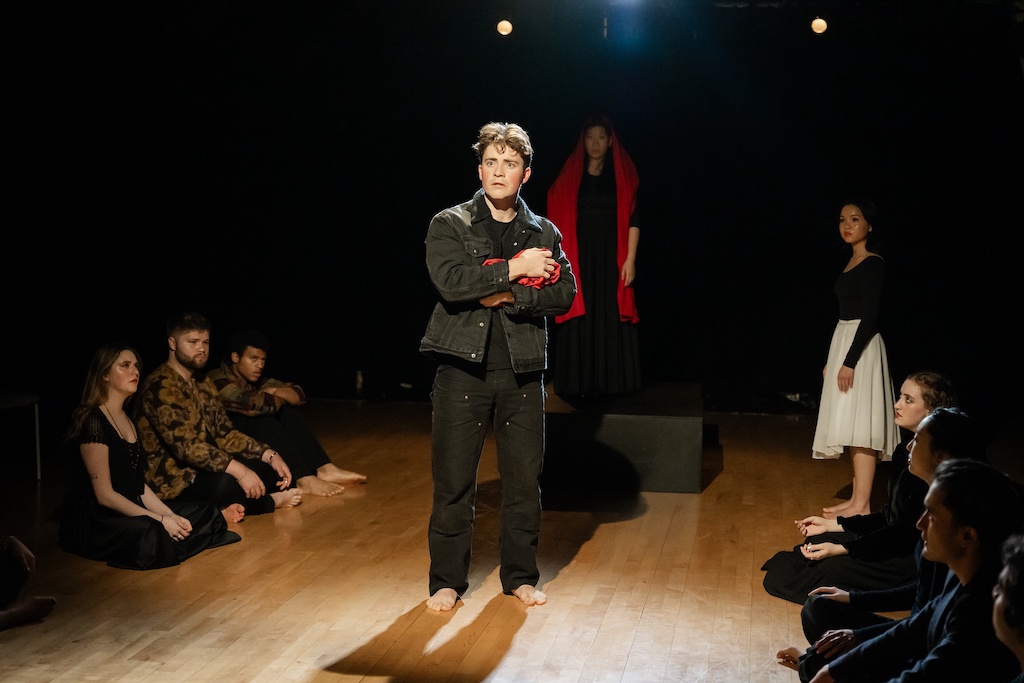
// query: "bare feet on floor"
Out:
[832,511]
[287,499]
[334,474]
[845,509]
[443,600]
[26,610]
[530,595]
[315,486]
[788,657]
[233,513]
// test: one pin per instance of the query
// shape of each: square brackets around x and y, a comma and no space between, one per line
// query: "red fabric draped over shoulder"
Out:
[561,210]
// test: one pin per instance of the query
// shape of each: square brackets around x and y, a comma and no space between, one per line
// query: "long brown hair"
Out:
[94,392]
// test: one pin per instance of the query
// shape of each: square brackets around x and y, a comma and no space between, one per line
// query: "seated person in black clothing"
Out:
[16,565]
[268,410]
[1008,600]
[836,620]
[970,510]
[866,552]
[109,513]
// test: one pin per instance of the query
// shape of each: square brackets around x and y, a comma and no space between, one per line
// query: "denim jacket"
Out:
[457,245]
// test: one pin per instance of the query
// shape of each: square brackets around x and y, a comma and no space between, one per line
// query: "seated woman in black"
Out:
[873,551]
[109,512]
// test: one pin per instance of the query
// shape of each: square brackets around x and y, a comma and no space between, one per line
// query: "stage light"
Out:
[504,27]
[819,25]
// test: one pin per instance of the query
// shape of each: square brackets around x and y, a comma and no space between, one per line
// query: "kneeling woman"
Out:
[109,512]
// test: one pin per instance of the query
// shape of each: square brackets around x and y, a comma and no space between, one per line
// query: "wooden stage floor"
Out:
[643,587]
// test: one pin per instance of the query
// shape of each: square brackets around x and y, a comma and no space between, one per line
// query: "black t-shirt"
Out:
[503,238]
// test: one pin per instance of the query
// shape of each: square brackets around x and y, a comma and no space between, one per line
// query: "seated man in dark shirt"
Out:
[970,510]
[267,410]
[836,620]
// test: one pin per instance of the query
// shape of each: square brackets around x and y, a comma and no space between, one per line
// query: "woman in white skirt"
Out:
[855,414]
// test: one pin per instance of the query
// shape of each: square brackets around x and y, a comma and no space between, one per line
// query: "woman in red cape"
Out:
[593,203]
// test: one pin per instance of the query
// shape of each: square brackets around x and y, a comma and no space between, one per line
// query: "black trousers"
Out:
[221,489]
[288,433]
[820,614]
[464,403]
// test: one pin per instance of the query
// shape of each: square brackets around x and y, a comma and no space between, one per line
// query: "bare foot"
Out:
[788,657]
[332,473]
[530,595]
[834,511]
[847,509]
[233,513]
[25,610]
[315,486]
[443,600]
[287,499]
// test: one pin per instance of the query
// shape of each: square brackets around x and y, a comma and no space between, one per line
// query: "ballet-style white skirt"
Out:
[863,416]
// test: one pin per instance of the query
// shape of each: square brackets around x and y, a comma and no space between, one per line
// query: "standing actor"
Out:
[499,271]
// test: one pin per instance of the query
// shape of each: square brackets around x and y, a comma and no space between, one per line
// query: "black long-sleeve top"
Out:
[891,531]
[859,291]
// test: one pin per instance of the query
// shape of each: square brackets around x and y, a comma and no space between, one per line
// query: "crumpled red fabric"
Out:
[526,280]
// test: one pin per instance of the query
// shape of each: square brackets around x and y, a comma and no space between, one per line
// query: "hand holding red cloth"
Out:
[526,280]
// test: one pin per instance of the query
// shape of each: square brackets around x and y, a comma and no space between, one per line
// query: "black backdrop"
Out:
[277,168]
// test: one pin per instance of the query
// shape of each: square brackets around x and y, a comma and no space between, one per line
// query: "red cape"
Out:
[561,210]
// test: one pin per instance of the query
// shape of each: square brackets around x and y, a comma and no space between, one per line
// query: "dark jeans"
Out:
[221,489]
[464,402]
[820,614]
[288,433]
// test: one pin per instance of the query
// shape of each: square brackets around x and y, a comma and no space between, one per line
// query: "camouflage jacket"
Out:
[239,395]
[184,428]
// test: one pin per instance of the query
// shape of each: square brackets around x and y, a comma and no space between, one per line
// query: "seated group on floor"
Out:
[158,480]
[934,550]
[157,485]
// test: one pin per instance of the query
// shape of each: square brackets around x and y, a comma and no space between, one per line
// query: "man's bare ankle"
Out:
[443,600]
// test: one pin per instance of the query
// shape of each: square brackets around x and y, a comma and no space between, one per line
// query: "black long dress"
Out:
[97,532]
[596,353]
[881,545]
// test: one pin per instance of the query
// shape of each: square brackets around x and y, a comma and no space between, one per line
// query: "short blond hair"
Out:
[501,135]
